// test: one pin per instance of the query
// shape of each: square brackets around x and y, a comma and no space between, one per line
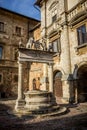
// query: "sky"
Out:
[24,7]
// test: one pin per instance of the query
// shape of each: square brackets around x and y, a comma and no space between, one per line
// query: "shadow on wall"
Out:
[6,91]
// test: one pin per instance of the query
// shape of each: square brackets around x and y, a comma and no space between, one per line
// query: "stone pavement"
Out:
[74,119]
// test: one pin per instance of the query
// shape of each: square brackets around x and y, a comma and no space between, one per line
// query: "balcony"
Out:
[80,8]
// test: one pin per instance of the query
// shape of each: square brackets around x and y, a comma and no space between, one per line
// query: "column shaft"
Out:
[45,76]
[51,77]
[20,81]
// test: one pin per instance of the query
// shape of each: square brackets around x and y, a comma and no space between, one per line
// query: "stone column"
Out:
[20,81]
[45,76]
[20,101]
[76,90]
[65,62]
[44,79]
[51,77]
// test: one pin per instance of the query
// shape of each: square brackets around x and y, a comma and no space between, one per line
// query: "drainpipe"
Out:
[45,21]
[28,30]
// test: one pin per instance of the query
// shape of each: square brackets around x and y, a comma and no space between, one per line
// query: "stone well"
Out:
[38,101]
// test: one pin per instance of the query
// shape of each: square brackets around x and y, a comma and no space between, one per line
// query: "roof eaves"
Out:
[19,14]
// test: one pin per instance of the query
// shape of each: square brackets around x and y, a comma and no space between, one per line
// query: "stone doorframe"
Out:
[30,55]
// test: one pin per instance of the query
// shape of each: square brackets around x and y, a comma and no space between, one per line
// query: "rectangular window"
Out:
[15,78]
[1,27]
[18,31]
[1,49]
[54,18]
[82,35]
[56,45]
[0,78]
[54,15]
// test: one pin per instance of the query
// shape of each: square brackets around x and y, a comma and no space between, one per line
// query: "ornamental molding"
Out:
[53,4]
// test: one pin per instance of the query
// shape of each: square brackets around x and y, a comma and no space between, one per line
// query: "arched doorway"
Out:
[58,84]
[82,83]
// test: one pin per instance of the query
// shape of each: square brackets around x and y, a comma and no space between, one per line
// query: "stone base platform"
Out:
[39,103]
[40,114]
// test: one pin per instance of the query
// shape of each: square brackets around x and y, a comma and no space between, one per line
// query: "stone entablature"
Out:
[39,56]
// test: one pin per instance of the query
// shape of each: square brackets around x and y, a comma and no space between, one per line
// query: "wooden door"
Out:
[58,84]
[58,87]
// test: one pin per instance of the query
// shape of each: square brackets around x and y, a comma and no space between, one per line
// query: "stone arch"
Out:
[81,75]
[58,69]
[82,63]
[76,68]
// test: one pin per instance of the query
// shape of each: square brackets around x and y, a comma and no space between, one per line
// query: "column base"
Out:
[65,100]
[20,103]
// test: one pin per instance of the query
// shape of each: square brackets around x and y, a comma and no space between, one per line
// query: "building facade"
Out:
[14,31]
[64,26]
[36,69]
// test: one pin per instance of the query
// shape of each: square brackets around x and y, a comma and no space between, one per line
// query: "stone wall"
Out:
[9,41]
[70,16]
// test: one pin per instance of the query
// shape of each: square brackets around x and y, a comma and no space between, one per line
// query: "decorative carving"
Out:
[32,55]
[50,47]
[41,45]
[21,44]
[53,4]
[30,42]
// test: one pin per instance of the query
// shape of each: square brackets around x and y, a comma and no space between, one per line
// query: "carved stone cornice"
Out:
[80,10]
[31,55]
[78,18]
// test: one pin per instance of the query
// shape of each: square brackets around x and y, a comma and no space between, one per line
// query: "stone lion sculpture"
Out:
[30,42]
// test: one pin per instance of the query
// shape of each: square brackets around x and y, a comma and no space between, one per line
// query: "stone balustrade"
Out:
[81,7]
